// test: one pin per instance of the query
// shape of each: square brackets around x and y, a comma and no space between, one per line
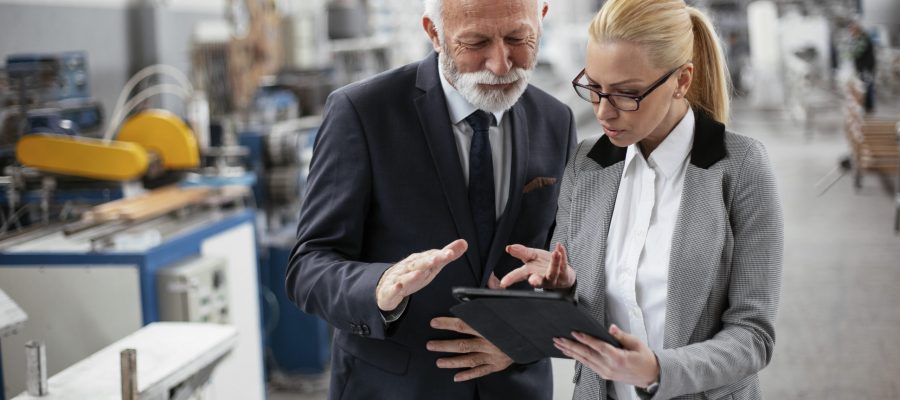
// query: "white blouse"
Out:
[640,238]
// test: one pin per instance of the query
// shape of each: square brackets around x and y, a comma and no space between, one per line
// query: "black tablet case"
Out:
[524,327]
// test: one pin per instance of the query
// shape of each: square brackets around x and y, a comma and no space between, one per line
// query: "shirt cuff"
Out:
[392,316]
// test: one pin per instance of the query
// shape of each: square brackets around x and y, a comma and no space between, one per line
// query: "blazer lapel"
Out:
[694,264]
[432,111]
[696,252]
[593,202]
[519,127]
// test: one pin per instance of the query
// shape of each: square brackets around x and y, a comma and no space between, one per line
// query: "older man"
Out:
[456,154]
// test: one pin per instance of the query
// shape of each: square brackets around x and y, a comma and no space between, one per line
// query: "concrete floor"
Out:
[838,329]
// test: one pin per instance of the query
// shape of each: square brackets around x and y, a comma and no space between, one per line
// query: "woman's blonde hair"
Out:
[672,33]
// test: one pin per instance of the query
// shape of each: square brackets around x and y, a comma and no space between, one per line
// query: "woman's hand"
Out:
[634,363]
[542,269]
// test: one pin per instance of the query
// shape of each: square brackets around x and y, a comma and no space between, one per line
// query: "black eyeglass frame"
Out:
[637,99]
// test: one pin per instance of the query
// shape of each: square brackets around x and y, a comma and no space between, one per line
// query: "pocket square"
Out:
[538,183]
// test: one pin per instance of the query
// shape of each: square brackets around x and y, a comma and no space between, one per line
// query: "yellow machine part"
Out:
[165,134]
[85,157]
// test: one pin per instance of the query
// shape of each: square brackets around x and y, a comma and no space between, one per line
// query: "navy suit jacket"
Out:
[385,182]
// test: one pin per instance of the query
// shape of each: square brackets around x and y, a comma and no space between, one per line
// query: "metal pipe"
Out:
[36,360]
[2,384]
[128,364]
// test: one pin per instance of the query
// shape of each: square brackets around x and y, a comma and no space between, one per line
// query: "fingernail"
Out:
[576,334]
[434,324]
[429,346]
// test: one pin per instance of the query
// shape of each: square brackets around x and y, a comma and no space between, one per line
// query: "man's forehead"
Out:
[488,9]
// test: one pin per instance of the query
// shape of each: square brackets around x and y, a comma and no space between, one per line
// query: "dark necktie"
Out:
[481,181]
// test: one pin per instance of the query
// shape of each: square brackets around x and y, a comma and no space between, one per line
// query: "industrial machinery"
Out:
[91,283]
[194,290]
[53,170]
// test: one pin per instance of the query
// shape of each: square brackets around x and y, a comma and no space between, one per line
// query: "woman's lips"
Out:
[612,132]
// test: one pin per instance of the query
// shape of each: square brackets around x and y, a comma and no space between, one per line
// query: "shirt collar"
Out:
[674,150]
[457,105]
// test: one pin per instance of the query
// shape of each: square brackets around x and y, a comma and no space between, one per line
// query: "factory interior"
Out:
[154,157]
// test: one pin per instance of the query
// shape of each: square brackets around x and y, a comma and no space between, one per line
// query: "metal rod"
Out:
[36,360]
[2,384]
[128,364]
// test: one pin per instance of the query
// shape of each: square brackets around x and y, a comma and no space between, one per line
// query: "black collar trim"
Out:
[708,147]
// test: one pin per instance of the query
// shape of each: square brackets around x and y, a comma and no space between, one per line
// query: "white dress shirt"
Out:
[640,238]
[499,135]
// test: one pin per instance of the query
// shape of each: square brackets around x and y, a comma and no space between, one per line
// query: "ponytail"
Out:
[672,34]
[710,88]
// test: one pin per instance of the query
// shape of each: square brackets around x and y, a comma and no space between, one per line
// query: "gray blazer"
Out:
[725,270]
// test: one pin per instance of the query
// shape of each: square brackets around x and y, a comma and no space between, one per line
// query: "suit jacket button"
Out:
[364,330]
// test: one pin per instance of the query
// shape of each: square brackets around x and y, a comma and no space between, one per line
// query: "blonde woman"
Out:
[669,227]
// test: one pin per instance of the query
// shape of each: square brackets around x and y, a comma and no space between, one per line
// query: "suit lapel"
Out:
[432,111]
[596,188]
[519,128]
[696,252]
[599,188]
[694,264]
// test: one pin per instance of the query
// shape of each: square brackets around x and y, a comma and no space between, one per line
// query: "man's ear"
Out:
[431,31]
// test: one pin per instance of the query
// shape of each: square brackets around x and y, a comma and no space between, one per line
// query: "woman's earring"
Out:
[677,95]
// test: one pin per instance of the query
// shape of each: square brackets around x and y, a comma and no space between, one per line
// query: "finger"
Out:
[629,342]
[536,280]
[476,372]
[584,354]
[524,254]
[470,360]
[576,348]
[517,275]
[553,271]
[598,367]
[563,255]
[493,282]
[457,248]
[440,258]
[453,324]
[564,267]
[588,340]
[459,346]
[609,353]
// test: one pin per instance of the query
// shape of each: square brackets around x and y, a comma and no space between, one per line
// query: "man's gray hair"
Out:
[434,10]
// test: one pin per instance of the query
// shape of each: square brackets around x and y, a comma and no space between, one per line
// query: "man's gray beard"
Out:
[488,100]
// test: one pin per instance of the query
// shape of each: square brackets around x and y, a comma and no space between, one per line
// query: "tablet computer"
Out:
[523,323]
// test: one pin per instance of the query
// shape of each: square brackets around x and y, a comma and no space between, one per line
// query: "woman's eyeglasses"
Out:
[621,102]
